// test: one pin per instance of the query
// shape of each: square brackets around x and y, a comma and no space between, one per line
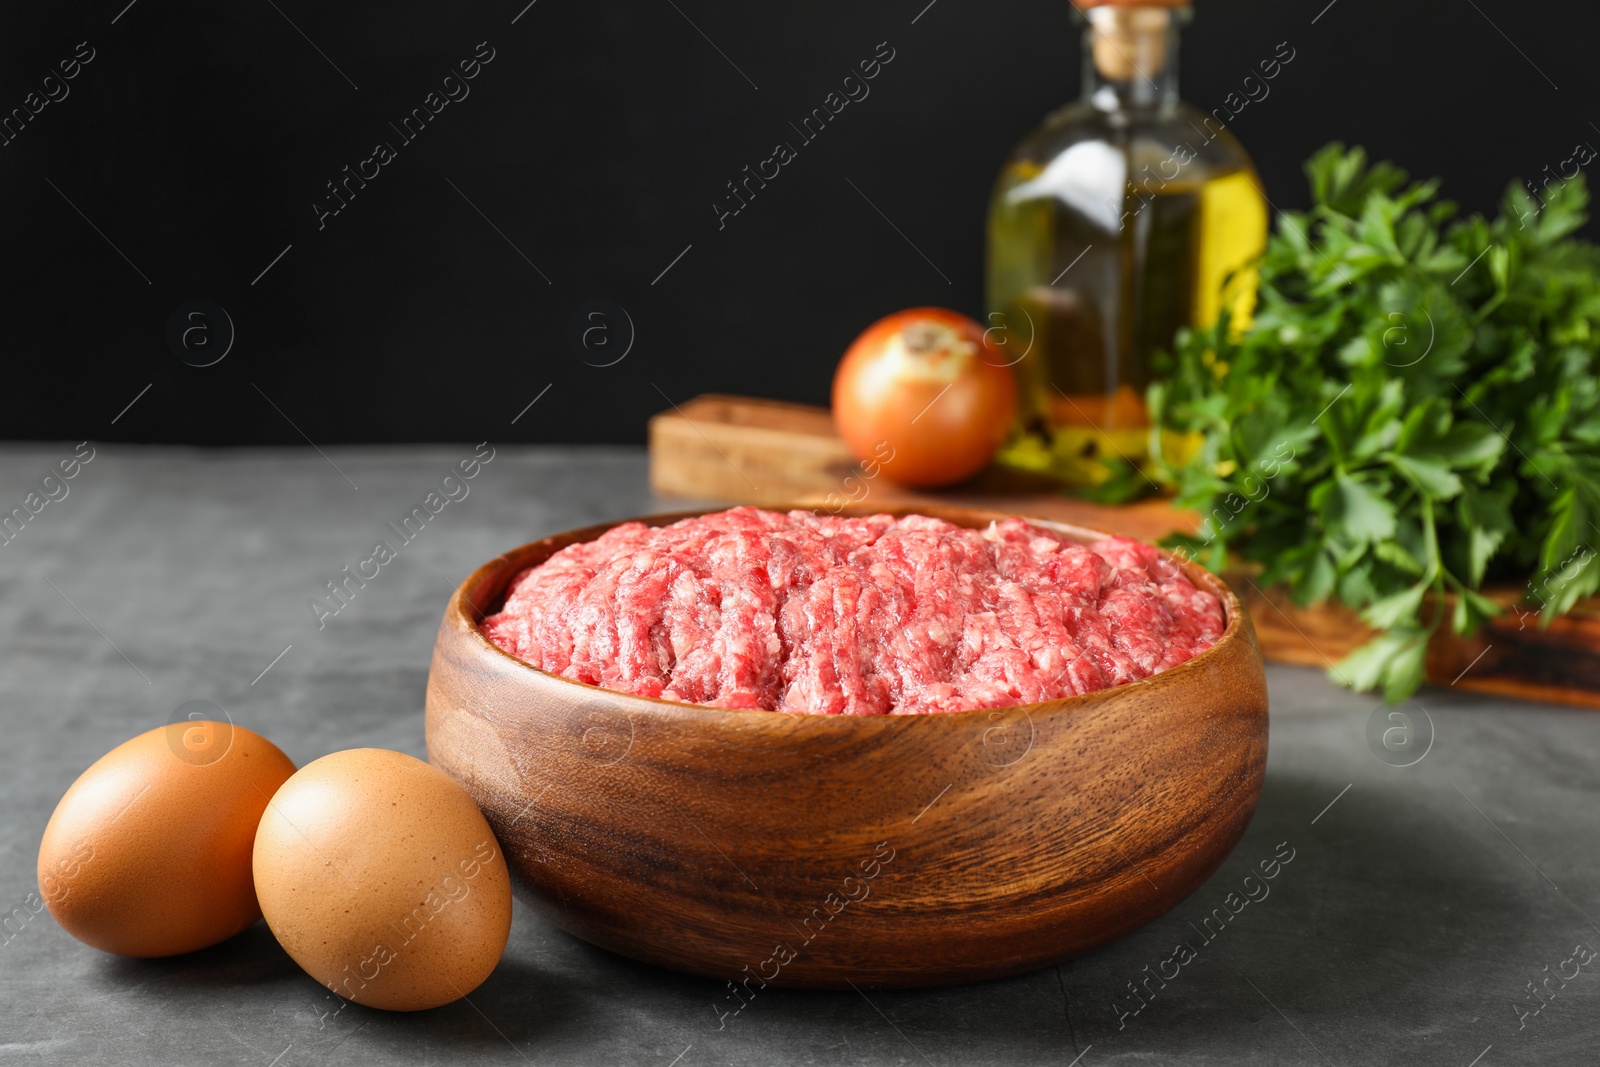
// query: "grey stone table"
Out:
[1422,906]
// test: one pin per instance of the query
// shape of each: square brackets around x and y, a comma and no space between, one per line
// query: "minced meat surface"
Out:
[853,616]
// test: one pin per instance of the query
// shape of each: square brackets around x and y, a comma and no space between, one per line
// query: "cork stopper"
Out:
[1085,5]
[1129,39]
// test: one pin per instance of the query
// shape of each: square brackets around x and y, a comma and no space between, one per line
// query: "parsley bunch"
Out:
[1413,412]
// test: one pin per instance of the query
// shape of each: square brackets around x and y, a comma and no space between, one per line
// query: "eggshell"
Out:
[382,879]
[149,851]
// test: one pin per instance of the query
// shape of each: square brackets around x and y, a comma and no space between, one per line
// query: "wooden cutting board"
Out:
[772,453]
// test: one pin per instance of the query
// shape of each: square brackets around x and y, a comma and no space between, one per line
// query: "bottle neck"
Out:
[1130,57]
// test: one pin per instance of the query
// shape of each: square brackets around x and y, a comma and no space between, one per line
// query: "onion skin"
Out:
[926,389]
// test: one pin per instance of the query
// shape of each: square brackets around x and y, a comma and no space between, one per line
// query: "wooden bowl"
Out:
[807,850]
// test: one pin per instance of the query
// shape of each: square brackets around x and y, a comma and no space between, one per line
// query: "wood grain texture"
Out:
[768,452]
[1512,655]
[772,453]
[797,850]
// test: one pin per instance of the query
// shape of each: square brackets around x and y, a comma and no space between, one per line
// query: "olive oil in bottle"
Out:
[1126,216]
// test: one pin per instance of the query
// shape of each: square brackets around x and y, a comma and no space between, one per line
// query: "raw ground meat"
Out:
[853,616]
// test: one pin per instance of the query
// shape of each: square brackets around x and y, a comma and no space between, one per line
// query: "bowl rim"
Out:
[464,610]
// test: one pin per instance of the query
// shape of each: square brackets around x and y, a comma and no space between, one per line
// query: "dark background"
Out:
[200,135]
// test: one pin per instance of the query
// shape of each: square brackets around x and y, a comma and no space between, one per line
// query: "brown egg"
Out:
[382,879]
[148,853]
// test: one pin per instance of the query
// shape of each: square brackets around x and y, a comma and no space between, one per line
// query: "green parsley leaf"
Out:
[1413,413]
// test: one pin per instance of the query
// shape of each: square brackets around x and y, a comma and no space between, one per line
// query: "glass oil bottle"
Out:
[1126,215]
